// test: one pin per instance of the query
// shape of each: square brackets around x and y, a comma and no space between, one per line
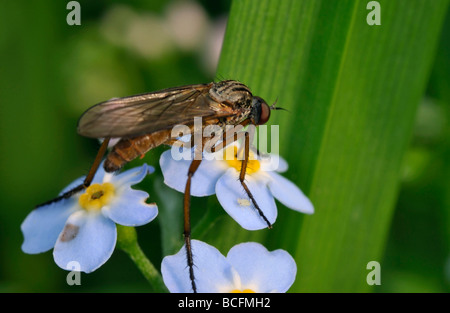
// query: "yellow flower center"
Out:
[242,291]
[96,196]
[253,165]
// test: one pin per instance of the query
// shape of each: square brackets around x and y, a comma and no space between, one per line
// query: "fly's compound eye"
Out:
[263,110]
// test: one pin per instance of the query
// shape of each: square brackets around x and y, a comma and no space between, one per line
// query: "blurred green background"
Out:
[51,72]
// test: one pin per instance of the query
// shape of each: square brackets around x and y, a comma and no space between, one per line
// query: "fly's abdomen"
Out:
[129,149]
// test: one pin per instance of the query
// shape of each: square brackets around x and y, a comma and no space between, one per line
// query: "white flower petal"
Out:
[239,206]
[212,271]
[42,226]
[273,162]
[261,270]
[131,176]
[130,209]
[289,194]
[88,238]
[203,182]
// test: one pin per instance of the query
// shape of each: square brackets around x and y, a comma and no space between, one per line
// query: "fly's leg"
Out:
[227,139]
[187,220]
[187,207]
[242,179]
[230,139]
[89,177]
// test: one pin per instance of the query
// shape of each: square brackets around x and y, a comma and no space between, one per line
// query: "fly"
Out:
[145,121]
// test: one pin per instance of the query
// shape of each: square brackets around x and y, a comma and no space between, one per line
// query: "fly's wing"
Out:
[146,113]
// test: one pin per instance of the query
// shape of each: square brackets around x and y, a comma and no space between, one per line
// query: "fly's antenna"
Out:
[274,107]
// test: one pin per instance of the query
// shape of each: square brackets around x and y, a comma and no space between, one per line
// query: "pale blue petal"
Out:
[261,270]
[88,238]
[289,194]
[204,180]
[130,209]
[42,226]
[239,206]
[212,271]
[132,176]
[72,185]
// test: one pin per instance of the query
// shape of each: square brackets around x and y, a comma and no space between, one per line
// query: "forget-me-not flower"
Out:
[248,267]
[219,174]
[82,228]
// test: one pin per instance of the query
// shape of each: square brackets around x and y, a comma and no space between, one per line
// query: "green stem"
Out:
[127,241]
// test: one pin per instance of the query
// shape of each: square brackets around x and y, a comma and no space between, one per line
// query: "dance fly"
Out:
[145,121]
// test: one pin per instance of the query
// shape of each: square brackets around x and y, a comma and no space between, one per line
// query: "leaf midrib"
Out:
[333,99]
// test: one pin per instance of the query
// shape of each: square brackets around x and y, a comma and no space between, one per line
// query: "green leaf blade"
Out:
[352,91]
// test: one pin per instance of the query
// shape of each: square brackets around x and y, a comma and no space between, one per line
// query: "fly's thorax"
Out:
[233,93]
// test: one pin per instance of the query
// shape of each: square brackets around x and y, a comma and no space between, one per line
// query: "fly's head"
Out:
[260,112]
[240,99]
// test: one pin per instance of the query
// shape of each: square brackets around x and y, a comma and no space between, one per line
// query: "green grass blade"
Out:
[352,91]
